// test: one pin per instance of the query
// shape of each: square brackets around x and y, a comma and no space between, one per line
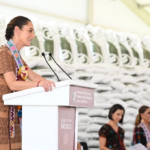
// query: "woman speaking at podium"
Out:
[15,75]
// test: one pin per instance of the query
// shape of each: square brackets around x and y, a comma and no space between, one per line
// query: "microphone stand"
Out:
[58,65]
[50,67]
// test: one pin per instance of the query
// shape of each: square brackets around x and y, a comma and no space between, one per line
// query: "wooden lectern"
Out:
[50,119]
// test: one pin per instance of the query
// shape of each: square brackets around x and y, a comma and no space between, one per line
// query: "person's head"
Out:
[116,113]
[21,29]
[143,115]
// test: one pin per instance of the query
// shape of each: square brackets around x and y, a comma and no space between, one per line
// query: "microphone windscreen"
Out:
[43,54]
[50,54]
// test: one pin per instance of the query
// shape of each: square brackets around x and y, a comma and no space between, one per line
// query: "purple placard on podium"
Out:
[66,128]
[80,96]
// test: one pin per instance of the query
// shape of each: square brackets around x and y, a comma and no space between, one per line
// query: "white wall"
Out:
[107,13]
[10,12]
[115,14]
[75,9]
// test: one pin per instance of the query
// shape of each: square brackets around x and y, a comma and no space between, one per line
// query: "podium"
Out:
[50,119]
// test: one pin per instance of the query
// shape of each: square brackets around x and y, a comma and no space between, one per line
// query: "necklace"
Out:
[10,44]
[21,74]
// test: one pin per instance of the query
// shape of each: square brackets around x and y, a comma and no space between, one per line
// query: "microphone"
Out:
[58,65]
[43,54]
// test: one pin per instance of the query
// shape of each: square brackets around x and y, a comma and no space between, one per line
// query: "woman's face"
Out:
[117,115]
[146,115]
[26,34]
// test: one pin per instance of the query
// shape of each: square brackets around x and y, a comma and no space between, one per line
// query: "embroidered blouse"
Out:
[139,136]
[114,140]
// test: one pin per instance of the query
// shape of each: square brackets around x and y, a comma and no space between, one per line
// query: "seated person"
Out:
[141,132]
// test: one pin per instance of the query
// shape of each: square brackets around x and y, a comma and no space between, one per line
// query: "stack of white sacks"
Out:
[128,90]
[114,61]
[128,87]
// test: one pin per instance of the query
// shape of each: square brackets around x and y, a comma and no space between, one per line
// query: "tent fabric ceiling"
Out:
[147,9]
[146,4]
[104,13]
[143,2]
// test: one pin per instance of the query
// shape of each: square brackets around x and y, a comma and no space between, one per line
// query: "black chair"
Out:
[84,145]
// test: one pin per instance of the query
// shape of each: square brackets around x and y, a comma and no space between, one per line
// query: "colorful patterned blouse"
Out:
[139,136]
[114,140]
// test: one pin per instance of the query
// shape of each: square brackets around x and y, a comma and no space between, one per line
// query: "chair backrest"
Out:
[68,48]
[51,40]
[136,49]
[48,41]
[126,51]
[114,48]
[97,41]
[145,42]
[83,47]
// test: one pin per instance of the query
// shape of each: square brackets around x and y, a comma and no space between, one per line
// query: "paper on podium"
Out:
[138,146]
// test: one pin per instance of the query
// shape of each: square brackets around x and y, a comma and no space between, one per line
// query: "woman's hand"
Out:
[78,146]
[47,85]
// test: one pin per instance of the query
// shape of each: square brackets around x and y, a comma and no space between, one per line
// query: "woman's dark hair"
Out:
[142,110]
[19,21]
[113,109]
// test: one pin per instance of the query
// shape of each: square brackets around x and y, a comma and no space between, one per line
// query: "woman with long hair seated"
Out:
[141,132]
[111,136]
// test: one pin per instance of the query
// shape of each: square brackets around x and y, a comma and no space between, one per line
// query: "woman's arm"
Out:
[34,76]
[21,85]
[78,146]
[124,145]
[102,143]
